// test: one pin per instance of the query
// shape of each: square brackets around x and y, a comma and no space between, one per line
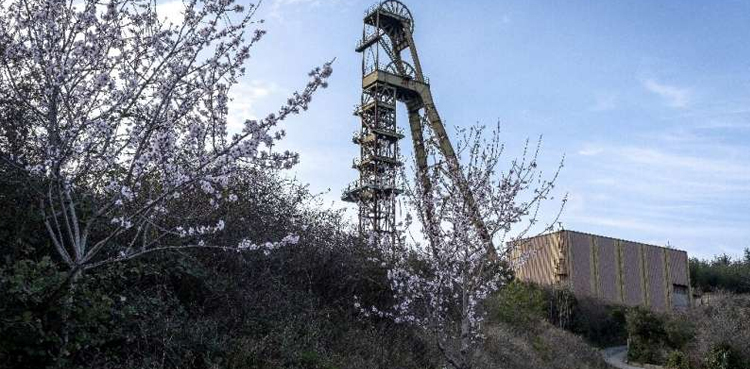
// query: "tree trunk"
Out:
[66,310]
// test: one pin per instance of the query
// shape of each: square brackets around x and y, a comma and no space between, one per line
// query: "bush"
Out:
[523,305]
[646,336]
[722,332]
[710,337]
[721,273]
[207,309]
[677,360]
[562,306]
[519,304]
[679,331]
[26,336]
[723,357]
[544,346]
[600,323]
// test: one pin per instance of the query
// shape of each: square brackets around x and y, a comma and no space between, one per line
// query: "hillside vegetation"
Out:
[710,336]
[143,228]
[289,308]
[294,307]
[722,273]
[713,336]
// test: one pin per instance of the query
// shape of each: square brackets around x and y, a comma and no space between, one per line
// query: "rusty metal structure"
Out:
[613,270]
[392,73]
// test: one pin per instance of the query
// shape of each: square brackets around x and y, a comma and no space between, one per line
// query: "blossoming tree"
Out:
[442,285]
[127,116]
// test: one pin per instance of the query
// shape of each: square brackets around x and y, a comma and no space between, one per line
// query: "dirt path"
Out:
[615,357]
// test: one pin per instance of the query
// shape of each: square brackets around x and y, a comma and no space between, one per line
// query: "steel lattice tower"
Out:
[388,78]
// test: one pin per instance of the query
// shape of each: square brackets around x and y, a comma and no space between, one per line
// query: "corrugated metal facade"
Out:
[632,275]
[539,256]
[582,274]
[617,271]
[608,271]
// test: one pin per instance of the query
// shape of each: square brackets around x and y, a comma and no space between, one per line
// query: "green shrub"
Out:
[310,359]
[679,331]
[721,273]
[677,360]
[523,305]
[562,307]
[646,336]
[204,309]
[723,357]
[25,332]
[599,323]
[519,304]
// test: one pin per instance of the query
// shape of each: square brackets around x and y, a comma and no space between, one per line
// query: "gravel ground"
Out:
[615,356]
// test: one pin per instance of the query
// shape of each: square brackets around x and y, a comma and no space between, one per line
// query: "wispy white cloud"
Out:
[590,151]
[665,176]
[675,97]
[725,124]
[648,225]
[171,11]
[655,158]
[244,98]
[689,191]
[604,181]
[604,102]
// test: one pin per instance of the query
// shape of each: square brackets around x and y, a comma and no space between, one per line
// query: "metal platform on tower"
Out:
[389,77]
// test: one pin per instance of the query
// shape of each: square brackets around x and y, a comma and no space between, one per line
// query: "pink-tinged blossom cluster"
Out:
[267,247]
[130,116]
[441,285]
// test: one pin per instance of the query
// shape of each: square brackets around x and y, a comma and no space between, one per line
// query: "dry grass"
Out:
[725,322]
[540,346]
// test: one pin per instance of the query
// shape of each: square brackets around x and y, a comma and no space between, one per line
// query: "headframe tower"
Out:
[389,77]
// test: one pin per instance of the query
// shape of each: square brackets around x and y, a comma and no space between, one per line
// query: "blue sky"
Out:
[648,101]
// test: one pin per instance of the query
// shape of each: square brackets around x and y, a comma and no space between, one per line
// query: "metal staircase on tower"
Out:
[391,74]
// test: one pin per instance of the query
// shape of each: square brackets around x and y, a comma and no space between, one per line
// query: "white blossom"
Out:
[441,286]
[131,118]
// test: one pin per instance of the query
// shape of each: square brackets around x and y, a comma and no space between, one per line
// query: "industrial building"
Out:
[614,270]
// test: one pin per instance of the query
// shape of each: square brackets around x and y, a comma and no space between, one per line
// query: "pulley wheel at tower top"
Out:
[408,70]
[399,9]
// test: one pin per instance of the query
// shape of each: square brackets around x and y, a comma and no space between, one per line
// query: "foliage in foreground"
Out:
[522,304]
[291,308]
[120,115]
[520,333]
[441,286]
[715,336]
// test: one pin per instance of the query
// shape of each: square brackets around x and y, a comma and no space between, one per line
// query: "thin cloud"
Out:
[243,100]
[604,102]
[660,159]
[692,198]
[668,175]
[171,11]
[675,97]
[590,151]
[649,225]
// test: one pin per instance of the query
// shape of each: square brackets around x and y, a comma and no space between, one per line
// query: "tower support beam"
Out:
[389,27]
